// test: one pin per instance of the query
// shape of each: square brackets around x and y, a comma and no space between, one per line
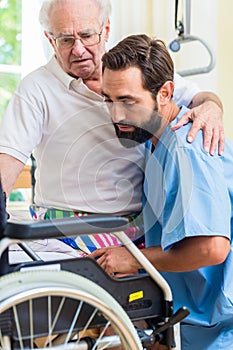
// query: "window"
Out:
[10,49]
[22,48]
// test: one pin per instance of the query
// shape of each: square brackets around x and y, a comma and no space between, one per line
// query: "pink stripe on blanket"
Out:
[111,240]
[114,240]
[99,241]
[104,238]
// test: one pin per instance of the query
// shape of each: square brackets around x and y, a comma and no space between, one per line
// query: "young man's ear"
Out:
[165,93]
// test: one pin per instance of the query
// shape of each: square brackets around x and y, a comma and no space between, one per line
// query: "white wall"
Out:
[224,62]
[157,18]
[203,25]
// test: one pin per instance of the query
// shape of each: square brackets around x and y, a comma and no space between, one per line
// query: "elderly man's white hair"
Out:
[44,18]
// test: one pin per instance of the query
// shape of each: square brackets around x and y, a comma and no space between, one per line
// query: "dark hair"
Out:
[148,54]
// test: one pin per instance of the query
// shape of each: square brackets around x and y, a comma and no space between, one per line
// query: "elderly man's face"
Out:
[133,110]
[78,18]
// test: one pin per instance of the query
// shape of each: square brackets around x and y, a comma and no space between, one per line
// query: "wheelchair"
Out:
[60,304]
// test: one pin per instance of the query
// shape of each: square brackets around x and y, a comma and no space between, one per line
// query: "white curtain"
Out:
[130,17]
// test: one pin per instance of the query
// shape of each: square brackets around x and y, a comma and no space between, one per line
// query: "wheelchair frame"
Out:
[29,287]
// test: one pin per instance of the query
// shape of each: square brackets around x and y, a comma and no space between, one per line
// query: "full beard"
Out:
[141,133]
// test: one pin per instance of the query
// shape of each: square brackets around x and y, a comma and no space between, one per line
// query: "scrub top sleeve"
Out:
[197,202]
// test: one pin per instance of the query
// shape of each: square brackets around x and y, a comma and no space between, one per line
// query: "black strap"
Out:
[178,24]
[4,261]
[3,215]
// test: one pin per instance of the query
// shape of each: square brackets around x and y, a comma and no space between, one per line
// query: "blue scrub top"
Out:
[189,193]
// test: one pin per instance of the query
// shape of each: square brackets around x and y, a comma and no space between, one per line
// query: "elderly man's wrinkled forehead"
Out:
[79,15]
[48,6]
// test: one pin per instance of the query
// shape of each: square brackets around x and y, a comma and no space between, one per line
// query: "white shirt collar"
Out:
[54,67]
[68,81]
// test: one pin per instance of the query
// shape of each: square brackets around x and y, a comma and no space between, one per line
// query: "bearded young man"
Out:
[188,194]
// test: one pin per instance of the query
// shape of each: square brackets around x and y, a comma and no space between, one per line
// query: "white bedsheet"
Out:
[46,249]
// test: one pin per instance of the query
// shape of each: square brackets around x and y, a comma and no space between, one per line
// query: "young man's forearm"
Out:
[211,250]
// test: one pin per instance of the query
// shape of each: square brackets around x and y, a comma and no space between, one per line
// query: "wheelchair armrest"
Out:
[58,228]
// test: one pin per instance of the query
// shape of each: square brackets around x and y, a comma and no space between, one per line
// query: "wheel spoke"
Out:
[31,323]
[101,336]
[17,323]
[74,321]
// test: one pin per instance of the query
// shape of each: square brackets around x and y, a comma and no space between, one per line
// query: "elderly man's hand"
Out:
[208,117]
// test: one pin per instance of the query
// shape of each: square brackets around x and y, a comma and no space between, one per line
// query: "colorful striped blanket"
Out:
[88,244]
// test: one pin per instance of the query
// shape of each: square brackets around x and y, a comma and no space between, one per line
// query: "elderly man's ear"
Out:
[106,28]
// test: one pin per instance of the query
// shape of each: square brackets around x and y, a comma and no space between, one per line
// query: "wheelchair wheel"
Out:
[61,310]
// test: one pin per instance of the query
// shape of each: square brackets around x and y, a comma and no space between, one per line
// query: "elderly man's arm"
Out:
[10,168]
[206,112]
[180,258]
